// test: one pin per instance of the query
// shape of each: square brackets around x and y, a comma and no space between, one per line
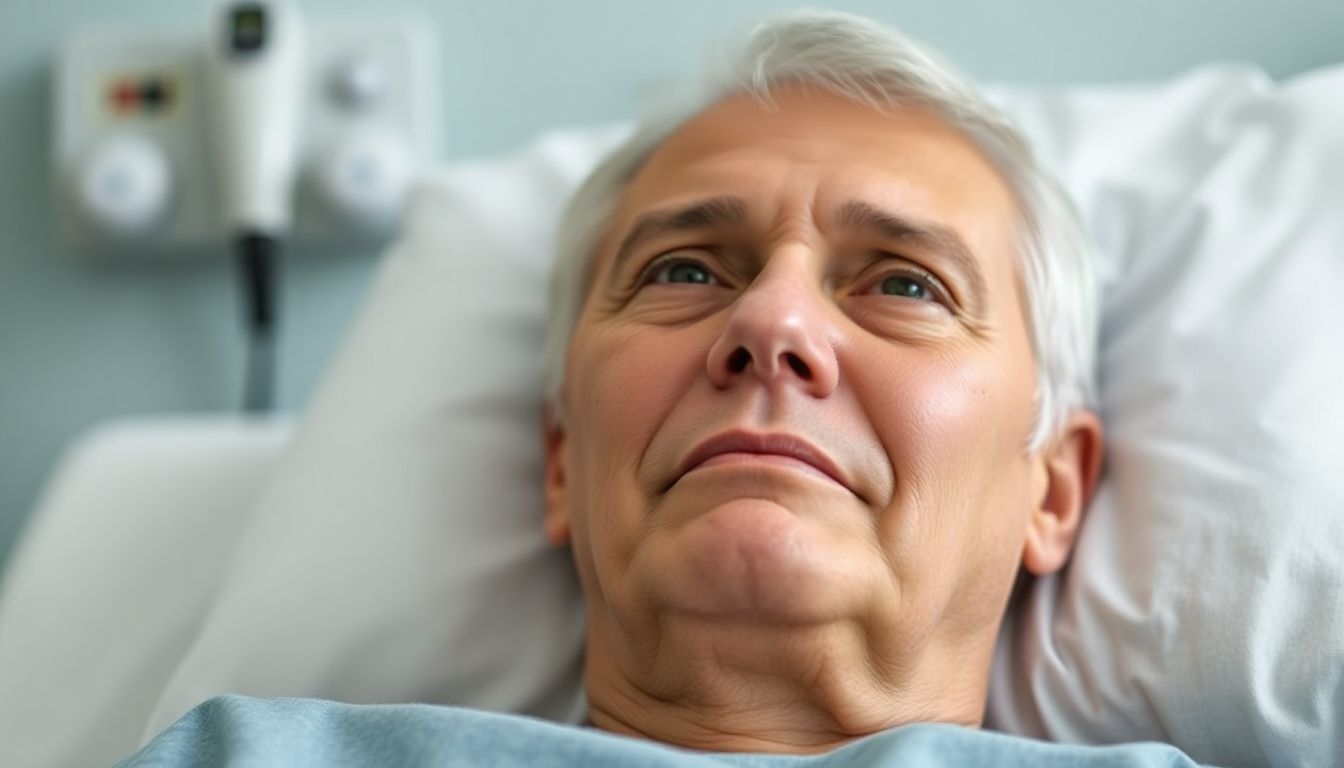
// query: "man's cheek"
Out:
[937,420]
[612,381]
[621,392]
[595,406]
[936,415]
[632,377]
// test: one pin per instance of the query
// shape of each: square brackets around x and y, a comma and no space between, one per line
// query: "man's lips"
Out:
[774,444]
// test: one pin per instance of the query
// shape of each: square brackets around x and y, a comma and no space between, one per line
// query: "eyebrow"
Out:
[704,214]
[943,242]
[854,215]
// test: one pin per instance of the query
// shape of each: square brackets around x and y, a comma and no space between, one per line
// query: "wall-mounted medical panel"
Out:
[136,176]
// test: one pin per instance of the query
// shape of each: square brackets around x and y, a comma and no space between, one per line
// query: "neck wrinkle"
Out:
[722,706]
[686,734]
[790,725]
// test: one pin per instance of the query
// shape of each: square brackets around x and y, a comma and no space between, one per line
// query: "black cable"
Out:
[258,271]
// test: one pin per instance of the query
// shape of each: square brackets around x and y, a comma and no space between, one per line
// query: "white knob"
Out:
[124,186]
[364,179]
[357,82]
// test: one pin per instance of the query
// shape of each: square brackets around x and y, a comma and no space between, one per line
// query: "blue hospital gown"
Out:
[242,731]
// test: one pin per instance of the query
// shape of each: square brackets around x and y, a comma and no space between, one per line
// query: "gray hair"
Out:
[875,66]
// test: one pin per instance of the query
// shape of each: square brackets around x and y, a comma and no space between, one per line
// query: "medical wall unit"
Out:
[332,115]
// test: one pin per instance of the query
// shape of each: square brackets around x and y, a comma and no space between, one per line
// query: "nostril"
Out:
[737,362]
[798,366]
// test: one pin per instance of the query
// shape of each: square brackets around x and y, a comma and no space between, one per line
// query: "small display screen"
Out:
[248,27]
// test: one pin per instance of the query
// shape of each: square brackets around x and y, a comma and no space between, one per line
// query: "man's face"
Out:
[799,392]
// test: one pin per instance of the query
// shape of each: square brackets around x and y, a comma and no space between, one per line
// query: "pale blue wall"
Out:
[79,344]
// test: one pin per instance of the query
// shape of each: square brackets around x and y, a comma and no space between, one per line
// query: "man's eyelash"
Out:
[936,287]
[647,275]
[902,268]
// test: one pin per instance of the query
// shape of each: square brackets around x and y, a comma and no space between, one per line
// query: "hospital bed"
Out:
[385,545]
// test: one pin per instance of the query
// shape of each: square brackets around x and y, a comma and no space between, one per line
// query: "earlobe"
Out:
[556,486]
[1072,467]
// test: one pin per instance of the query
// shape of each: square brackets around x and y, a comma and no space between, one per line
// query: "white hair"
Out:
[875,66]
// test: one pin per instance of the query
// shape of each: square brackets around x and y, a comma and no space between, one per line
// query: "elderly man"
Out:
[824,397]
[819,384]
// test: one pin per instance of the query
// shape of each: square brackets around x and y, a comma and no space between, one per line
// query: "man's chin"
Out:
[754,559]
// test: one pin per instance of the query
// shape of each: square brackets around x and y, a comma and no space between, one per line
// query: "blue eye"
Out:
[681,271]
[906,286]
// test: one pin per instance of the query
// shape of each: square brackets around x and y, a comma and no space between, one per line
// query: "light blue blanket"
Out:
[241,731]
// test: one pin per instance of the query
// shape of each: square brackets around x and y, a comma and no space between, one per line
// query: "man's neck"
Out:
[723,693]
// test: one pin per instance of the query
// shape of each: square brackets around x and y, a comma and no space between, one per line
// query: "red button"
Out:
[124,96]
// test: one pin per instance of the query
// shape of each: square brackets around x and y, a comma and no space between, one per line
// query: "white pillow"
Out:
[398,556]
[398,553]
[112,575]
[1205,603]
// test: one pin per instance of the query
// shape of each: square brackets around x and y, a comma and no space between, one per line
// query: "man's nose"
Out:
[777,332]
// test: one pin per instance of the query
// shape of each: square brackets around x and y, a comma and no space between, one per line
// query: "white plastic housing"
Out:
[254,101]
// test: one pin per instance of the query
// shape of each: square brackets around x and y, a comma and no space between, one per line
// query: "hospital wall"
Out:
[82,343]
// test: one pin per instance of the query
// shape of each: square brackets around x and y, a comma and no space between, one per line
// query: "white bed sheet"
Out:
[109,583]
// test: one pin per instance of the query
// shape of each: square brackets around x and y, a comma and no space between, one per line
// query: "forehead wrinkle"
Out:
[795,223]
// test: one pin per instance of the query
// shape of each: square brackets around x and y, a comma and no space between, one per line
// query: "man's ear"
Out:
[1069,469]
[556,481]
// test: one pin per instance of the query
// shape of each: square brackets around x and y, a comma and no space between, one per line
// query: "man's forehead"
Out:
[824,153]
[812,125]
